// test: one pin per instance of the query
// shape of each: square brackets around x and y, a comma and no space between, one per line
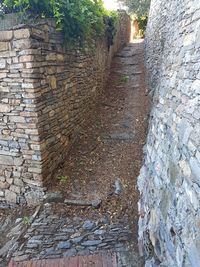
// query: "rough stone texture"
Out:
[46,92]
[169,181]
[54,235]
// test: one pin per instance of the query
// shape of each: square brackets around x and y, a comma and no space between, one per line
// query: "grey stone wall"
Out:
[46,92]
[169,182]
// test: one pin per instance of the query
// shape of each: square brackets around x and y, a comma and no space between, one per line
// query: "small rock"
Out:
[89,225]
[68,230]
[118,186]
[60,238]
[92,243]
[64,245]
[32,245]
[77,240]
[102,245]
[99,232]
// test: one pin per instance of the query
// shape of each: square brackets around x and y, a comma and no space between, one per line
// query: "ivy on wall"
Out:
[80,21]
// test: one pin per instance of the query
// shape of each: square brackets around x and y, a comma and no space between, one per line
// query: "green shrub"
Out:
[80,21]
[142,22]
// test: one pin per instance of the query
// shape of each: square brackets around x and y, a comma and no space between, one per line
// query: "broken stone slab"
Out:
[55,197]
[94,203]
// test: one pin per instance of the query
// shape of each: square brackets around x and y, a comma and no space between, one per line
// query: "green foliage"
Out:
[62,179]
[26,220]
[138,7]
[78,20]
[124,79]
[142,22]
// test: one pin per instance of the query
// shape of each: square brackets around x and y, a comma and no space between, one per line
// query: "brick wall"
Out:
[46,91]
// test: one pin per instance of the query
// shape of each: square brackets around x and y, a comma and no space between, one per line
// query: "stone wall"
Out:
[46,92]
[169,182]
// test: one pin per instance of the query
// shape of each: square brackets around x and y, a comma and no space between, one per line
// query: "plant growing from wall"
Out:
[80,21]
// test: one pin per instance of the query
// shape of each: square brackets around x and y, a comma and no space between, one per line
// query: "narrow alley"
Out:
[99,178]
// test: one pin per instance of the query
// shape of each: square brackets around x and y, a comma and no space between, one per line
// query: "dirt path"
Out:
[107,153]
[110,144]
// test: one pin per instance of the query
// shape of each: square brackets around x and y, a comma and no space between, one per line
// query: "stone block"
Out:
[18,182]
[35,170]
[10,196]
[38,34]
[17,119]
[4,185]
[18,161]
[2,193]
[33,182]
[26,58]
[53,82]
[2,179]
[6,160]
[4,46]
[34,198]
[15,189]
[4,108]
[22,34]
[51,57]
[2,63]
[195,167]
[9,180]
[3,75]
[6,35]
[21,44]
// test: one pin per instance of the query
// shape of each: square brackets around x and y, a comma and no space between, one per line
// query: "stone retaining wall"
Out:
[169,182]
[46,92]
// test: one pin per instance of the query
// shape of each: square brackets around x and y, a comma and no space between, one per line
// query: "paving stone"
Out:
[99,232]
[60,238]
[64,245]
[121,136]
[77,240]
[88,225]
[91,242]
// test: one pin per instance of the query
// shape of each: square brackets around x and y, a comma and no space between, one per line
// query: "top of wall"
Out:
[16,21]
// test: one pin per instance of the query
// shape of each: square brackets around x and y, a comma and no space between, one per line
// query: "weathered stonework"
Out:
[46,91]
[169,182]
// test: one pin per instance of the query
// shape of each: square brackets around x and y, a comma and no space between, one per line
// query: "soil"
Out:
[110,144]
